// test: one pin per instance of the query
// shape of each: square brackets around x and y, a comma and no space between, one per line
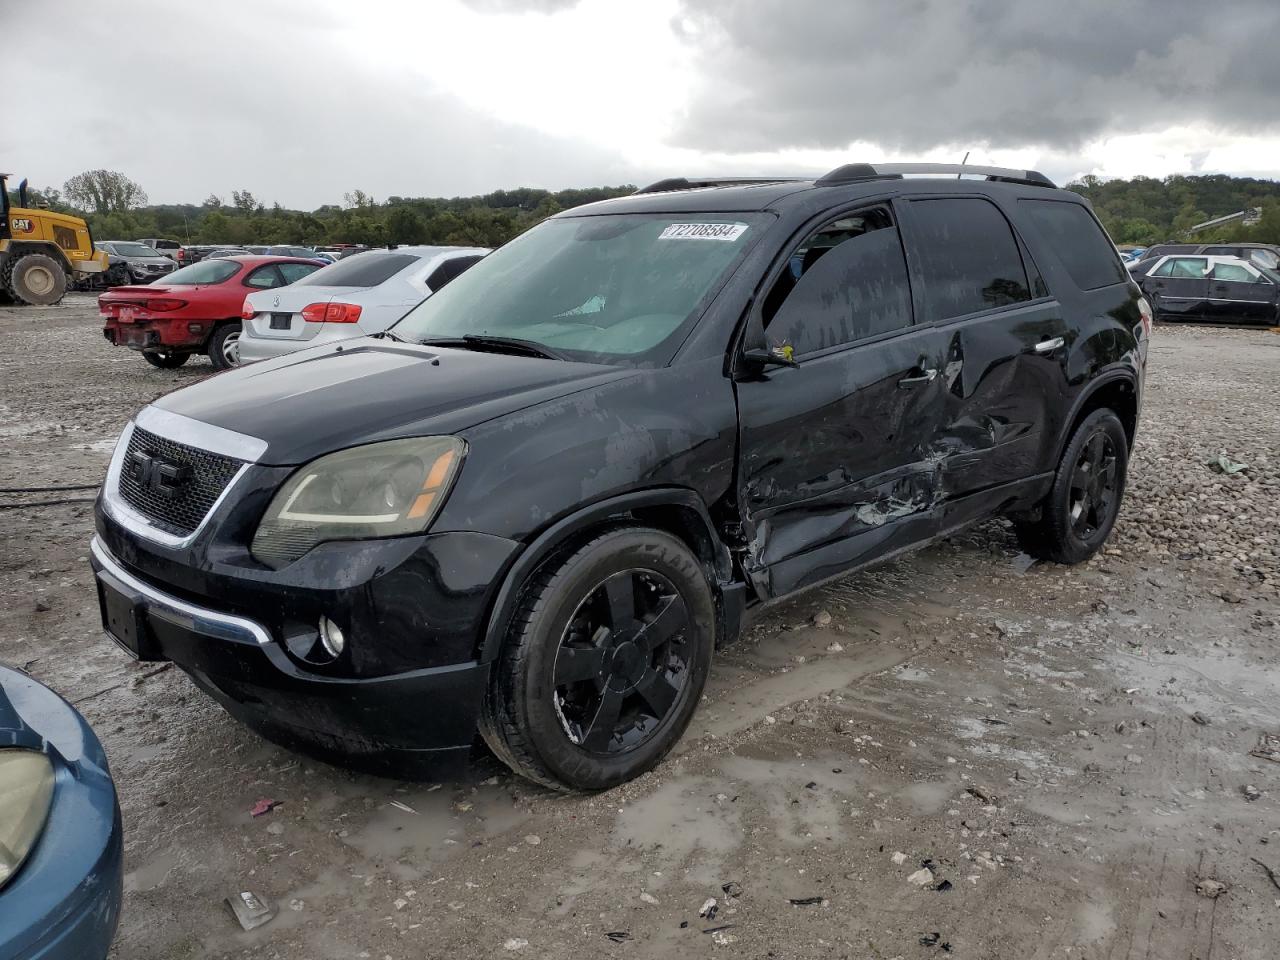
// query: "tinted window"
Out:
[296,271]
[846,281]
[1222,251]
[1079,242]
[969,259]
[264,278]
[1185,268]
[442,274]
[365,270]
[1232,271]
[1265,258]
[206,271]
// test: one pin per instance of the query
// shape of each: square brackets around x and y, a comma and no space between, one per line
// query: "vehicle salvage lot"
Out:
[953,749]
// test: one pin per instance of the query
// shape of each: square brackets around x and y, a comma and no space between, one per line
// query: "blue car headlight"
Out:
[26,794]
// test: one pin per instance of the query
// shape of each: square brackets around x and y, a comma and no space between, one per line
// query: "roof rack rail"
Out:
[853,172]
[693,183]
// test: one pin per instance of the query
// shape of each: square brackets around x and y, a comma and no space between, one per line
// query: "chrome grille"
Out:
[178,509]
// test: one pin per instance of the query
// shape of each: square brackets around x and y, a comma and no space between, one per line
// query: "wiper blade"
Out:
[387,334]
[514,344]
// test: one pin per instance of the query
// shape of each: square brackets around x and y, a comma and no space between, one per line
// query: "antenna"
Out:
[962,163]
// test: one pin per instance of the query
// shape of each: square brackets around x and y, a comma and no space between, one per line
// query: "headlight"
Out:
[379,490]
[26,793]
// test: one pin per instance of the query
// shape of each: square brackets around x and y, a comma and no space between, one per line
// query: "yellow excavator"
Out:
[41,251]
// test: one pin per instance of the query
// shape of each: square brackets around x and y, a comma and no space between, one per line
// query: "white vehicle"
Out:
[359,295]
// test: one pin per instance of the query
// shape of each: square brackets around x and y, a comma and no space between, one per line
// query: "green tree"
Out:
[404,225]
[104,191]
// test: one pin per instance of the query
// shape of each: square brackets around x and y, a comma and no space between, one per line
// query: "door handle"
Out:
[1050,345]
[926,376]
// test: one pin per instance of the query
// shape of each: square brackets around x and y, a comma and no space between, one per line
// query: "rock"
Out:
[276,828]
[1250,792]
[835,648]
[1200,718]
[1211,889]
[732,889]
[533,839]
[709,908]
[1231,596]
[899,858]
[922,877]
[515,943]
[822,619]
[42,606]
[648,898]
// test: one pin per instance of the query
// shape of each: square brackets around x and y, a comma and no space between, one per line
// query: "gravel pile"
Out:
[1197,408]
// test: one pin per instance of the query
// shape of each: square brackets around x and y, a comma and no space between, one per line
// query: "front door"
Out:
[834,454]
[1239,293]
[1179,287]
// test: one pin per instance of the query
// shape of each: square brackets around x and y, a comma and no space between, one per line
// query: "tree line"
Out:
[116,208]
[1142,210]
[1145,210]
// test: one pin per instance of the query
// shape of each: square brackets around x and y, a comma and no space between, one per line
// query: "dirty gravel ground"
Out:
[1057,756]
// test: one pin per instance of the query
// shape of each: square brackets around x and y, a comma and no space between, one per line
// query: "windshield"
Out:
[609,288]
[134,250]
[206,271]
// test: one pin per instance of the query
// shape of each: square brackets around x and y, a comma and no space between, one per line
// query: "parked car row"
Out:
[239,307]
[1218,289]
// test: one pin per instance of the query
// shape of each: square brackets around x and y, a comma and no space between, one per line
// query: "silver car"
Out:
[359,295]
[143,263]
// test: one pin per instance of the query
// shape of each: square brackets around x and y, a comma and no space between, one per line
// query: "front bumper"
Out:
[64,902]
[415,722]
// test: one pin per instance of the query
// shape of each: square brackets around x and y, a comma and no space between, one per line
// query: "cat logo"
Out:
[22,225]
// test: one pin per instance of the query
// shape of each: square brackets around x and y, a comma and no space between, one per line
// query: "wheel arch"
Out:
[674,510]
[19,249]
[1116,390]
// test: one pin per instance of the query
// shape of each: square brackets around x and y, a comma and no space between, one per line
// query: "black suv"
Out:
[534,507]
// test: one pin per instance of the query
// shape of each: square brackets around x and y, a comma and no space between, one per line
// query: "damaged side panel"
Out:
[840,449]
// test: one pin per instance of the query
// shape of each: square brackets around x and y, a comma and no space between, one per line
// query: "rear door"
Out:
[1003,340]
[1238,292]
[834,465]
[1179,287]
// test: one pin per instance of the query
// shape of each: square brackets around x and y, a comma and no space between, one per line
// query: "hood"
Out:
[327,398]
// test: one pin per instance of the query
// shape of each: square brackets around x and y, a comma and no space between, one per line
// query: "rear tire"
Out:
[604,663]
[224,346]
[37,279]
[165,360]
[1082,505]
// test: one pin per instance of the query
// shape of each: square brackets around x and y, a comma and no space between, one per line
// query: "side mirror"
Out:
[777,357]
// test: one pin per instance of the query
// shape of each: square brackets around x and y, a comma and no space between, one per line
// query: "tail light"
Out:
[247,312]
[1144,313]
[165,304]
[182,254]
[331,313]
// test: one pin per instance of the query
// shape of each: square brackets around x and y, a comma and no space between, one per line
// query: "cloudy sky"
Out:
[300,101]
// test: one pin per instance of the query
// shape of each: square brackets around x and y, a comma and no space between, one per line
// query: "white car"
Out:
[359,295]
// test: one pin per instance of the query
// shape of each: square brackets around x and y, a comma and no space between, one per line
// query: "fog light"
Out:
[331,637]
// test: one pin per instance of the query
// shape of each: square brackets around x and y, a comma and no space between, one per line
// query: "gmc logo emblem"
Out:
[159,476]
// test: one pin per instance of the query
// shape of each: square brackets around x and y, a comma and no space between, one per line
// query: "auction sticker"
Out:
[703,231]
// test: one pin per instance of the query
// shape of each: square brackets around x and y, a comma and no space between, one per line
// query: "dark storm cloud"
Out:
[285,104]
[916,74]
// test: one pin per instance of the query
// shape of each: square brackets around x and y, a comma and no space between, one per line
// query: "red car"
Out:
[195,309]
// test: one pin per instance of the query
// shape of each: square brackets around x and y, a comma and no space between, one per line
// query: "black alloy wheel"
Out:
[1076,516]
[1093,486]
[604,661]
[622,662]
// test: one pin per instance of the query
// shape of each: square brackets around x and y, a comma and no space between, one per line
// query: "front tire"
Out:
[224,346]
[38,279]
[165,360]
[1081,508]
[604,663]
